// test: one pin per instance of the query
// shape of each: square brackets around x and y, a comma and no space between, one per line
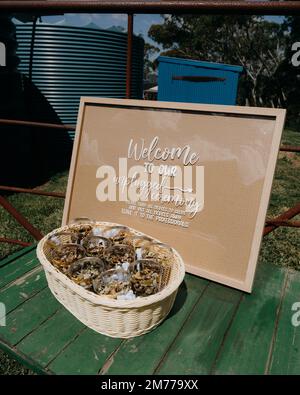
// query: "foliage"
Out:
[289,74]
[149,51]
[251,41]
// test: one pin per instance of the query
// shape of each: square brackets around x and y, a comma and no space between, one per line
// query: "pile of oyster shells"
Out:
[111,260]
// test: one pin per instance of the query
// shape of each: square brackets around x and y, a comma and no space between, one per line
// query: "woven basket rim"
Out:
[103,300]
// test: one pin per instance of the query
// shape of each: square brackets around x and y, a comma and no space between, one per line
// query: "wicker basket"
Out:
[115,318]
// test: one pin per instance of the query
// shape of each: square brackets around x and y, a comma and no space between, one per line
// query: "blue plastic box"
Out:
[193,81]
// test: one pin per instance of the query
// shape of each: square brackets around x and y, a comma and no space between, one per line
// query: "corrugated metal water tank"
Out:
[194,81]
[70,62]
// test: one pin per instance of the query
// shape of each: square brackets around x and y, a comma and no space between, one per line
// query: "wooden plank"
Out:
[17,254]
[22,289]
[247,345]
[28,316]
[142,354]
[17,268]
[286,352]
[45,343]
[85,355]
[196,347]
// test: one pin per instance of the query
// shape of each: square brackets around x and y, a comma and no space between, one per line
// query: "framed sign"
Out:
[197,177]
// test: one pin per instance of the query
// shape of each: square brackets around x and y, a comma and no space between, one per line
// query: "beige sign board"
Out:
[197,177]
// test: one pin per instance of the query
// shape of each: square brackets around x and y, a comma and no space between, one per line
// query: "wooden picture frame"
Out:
[225,156]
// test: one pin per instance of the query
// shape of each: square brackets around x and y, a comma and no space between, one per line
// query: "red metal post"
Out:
[291,224]
[15,122]
[292,212]
[13,241]
[32,191]
[154,6]
[290,148]
[20,218]
[129,55]
[35,18]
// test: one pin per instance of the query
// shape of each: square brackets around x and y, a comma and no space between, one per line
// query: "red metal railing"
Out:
[130,7]
[283,220]
[31,191]
[154,6]
[15,122]
[14,241]
[271,224]
[20,218]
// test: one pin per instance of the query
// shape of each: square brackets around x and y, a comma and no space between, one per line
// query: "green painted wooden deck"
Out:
[212,329]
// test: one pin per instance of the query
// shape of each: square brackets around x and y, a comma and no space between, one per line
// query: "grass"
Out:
[9,366]
[281,247]
[44,213]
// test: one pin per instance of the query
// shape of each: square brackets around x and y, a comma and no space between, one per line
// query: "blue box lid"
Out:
[200,63]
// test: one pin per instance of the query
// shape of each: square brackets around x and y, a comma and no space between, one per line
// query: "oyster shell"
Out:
[61,238]
[85,270]
[117,234]
[95,245]
[159,252]
[119,253]
[112,283]
[64,254]
[146,277]
[111,261]
[138,241]
[81,226]
[81,220]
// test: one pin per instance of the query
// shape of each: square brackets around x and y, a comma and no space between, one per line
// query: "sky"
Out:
[142,22]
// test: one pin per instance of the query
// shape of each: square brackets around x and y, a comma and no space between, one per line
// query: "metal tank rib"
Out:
[70,62]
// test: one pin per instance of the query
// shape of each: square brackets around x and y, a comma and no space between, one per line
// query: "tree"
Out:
[289,73]
[149,52]
[251,41]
